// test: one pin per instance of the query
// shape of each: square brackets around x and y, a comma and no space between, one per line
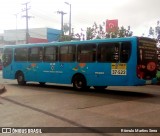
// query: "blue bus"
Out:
[99,63]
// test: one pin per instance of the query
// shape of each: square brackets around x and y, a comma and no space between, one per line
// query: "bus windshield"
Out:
[147,58]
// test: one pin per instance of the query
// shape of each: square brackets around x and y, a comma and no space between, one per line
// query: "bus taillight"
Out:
[140,73]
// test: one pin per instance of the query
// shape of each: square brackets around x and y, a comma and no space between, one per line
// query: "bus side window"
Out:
[86,53]
[67,53]
[21,54]
[36,54]
[125,51]
[108,52]
[50,54]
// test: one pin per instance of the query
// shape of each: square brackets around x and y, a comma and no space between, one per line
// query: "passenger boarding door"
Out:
[7,63]
[34,65]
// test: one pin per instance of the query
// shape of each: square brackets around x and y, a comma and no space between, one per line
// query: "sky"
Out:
[139,14]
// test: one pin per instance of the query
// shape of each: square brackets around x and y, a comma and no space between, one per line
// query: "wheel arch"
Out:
[16,74]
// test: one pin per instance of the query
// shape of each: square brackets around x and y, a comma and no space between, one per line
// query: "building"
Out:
[36,35]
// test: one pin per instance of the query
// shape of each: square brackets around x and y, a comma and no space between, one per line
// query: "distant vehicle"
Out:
[99,63]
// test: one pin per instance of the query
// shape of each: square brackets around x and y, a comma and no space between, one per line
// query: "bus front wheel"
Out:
[79,82]
[20,78]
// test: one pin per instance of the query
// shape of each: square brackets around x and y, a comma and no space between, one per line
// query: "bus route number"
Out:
[118,72]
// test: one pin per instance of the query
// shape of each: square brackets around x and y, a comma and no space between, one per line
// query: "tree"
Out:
[66,28]
[157,30]
[98,32]
[90,33]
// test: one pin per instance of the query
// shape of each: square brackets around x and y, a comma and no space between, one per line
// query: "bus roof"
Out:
[77,42]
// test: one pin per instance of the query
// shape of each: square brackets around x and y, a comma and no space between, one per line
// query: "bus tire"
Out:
[100,87]
[79,82]
[20,78]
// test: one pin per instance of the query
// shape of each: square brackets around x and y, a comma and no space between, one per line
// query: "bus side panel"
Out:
[105,74]
[100,74]
[58,72]
[8,72]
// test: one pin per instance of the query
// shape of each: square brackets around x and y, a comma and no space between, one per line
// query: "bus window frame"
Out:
[55,58]
[39,55]
[16,54]
[127,52]
[113,54]
[69,56]
[10,57]
[89,56]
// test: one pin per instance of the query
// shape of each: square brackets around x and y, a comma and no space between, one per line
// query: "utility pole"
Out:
[27,17]
[16,27]
[62,14]
[69,17]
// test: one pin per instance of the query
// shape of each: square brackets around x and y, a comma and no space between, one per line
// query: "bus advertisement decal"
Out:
[118,69]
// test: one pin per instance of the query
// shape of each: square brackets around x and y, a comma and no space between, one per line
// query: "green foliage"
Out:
[98,32]
[65,38]
[158,75]
[90,33]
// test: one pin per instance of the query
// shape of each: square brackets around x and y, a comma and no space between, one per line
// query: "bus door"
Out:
[35,57]
[7,63]
[49,66]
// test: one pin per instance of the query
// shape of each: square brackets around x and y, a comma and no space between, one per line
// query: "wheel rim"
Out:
[20,78]
[79,84]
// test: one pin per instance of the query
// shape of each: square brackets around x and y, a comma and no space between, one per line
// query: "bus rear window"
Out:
[146,50]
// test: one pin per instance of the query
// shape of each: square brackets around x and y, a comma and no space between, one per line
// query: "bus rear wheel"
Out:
[20,78]
[79,82]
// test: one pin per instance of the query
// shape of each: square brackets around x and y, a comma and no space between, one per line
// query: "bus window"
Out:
[87,53]
[21,54]
[108,52]
[36,54]
[125,51]
[50,53]
[7,57]
[67,53]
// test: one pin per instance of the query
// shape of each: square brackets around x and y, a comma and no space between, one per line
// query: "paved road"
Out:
[60,106]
